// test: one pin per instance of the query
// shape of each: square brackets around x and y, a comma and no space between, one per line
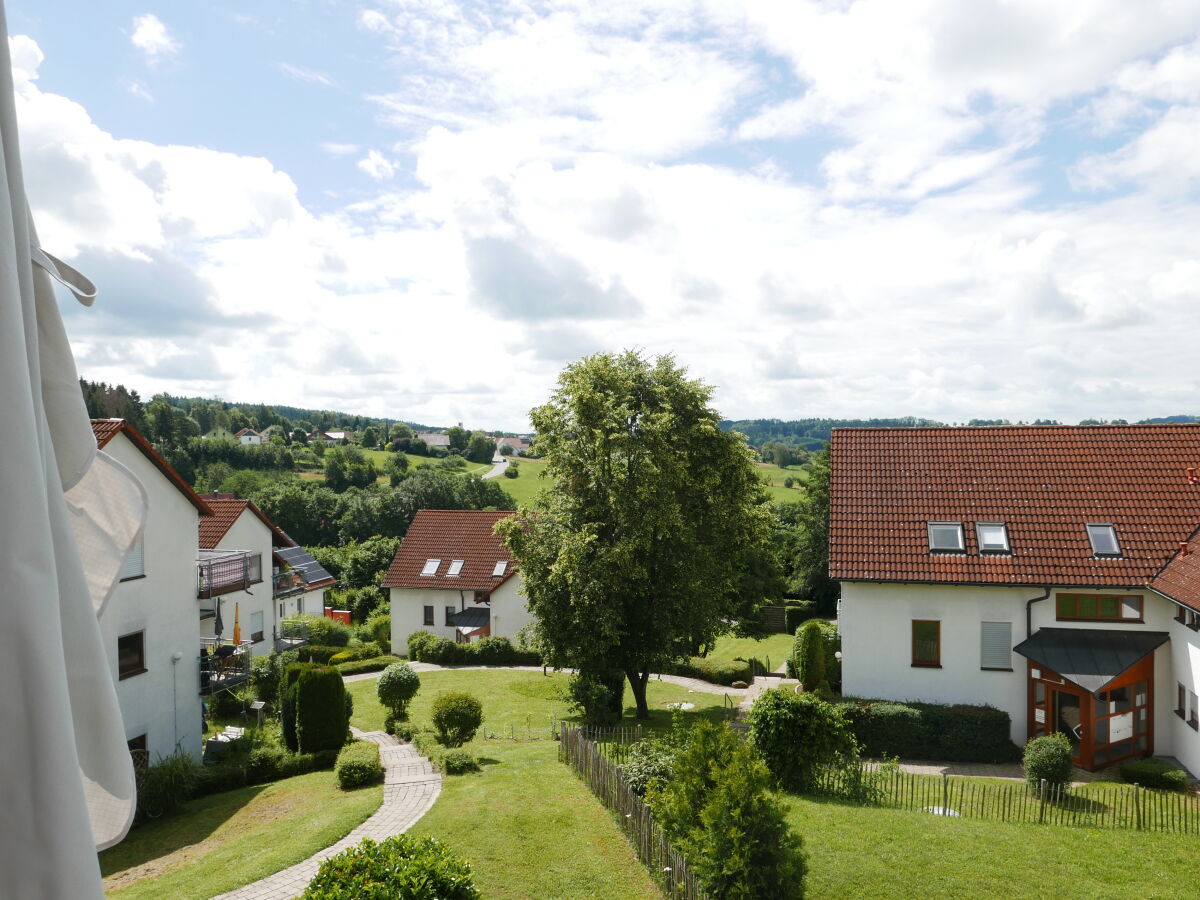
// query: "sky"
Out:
[425,209]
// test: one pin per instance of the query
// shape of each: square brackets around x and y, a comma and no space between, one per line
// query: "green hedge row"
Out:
[913,730]
[375,664]
[713,671]
[321,653]
[1155,773]
[358,764]
[424,646]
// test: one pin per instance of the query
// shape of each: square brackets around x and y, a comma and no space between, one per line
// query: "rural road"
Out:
[499,464]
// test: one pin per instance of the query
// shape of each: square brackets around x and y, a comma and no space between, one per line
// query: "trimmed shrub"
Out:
[458,762]
[166,784]
[797,734]
[321,719]
[287,702]
[647,763]
[325,632]
[492,651]
[442,651]
[913,730]
[718,809]
[367,665]
[417,641]
[358,764]
[813,655]
[354,654]
[396,687]
[599,699]
[489,651]
[713,671]
[263,764]
[318,653]
[1048,759]
[456,717]
[1155,773]
[402,731]
[399,868]
[795,612]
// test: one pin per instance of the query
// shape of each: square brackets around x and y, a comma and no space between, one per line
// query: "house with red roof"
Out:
[1050,571]
[453,576]
[149,624]
[248,437]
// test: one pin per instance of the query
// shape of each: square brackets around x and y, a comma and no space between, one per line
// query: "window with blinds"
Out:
[135,564]
[995,646]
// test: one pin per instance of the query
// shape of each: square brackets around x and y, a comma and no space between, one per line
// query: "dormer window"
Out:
[500,568]
[1104,540]
[946,537]
[993,537]
[431,566]
[455,567]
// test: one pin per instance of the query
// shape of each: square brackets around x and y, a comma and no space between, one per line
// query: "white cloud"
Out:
[308,76]
[139,90]
[377,166]
[153,39]
[336,149]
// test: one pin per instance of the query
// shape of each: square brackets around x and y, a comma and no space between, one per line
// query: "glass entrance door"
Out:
[1068,720]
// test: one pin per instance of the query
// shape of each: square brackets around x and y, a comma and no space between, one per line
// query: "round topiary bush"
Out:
[397,685]
[458,762]
[456,717]
[399,868]
[1048,759]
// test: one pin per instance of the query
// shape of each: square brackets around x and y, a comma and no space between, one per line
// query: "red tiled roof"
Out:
[1044,482]
[449,534]
[225,511]
[1180,578]
[106,429]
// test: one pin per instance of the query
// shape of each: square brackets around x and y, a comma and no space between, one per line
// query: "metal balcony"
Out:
[223,571]
[223,664]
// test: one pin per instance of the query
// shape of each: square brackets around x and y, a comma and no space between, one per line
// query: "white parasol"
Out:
[68,516]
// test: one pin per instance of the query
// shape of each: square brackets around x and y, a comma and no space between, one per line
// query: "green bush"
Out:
[1048,759]
[913,730]
[399,868]
[358,764]
[798,734]
[456,717]
[263,764]
[287,701]
[458,762]
[355,654]
[493,651]
[367,665]
[402,731]
[324,631]
[380,627]
[813,655]
[647,763]
[166,784]
[416,643]
[796,612]
[227,704]
[396,687]
[1155,773]
[489,651]
[713,671]
[718,809]
[321,718]
[442,651]
[598,698]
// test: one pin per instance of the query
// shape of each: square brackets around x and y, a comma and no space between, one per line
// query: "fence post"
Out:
[1042,802]
[1137,805]
[945,794]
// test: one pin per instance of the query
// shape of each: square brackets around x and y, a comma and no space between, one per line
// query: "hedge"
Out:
[713,671]
[915,730]
[797,611]
[376,664]
[321,713]
[424,646]
[358,764]
[1155,773]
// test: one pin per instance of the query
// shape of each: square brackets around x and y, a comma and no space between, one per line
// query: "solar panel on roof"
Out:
[301,562]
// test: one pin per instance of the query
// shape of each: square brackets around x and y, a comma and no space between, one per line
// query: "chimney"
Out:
[1191,475]
[1183,548]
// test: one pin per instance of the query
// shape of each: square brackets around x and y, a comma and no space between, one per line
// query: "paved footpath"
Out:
[409,788]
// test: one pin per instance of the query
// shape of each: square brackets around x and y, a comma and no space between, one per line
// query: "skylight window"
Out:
[993,537]
[946,537]
[455,567]
[500,568]
[431,566]
[1104,540]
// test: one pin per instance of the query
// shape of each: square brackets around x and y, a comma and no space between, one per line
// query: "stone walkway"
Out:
[409,788]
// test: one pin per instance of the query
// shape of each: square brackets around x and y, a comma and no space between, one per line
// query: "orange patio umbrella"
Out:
[237,627]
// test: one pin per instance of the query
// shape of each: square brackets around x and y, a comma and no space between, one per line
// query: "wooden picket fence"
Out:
[596,766]
[1095,805]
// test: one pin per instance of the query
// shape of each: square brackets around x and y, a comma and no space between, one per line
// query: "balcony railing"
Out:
[223,664]
[222,571]
[286,582]
[290,634]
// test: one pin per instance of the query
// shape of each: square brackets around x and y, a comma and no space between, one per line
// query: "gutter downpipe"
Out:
[1029,611]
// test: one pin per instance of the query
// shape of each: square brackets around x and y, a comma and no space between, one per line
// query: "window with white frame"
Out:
[995,646]
[946,537]
[455,567]
[431,566]
[256,626]
[499,569]
[1104,539]
[135,562]
[993,537]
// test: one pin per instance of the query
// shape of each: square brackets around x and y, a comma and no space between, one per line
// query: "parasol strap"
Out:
[68,276]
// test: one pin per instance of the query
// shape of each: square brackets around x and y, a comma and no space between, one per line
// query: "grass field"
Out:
[380,458]
[776,647]
[524,486]
[773,477]
[217,843]
[882,853]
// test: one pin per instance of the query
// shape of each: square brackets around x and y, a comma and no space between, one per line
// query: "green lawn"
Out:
[531,829]
[519,702]
[883,853]
[380,457]
[525,485]
[776,647]
[217,843]
[773,476]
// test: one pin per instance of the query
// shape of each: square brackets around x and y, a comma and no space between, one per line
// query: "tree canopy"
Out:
[654,532]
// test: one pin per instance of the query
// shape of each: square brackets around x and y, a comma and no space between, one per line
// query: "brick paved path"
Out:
[409,788]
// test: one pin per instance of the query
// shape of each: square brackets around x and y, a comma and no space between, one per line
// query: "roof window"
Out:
[455,567]
[431,566]
[1104,539]
[993,537]
[946,537]
[500,568]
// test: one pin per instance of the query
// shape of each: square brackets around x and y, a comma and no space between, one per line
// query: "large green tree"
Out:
[653,534]
[805,544]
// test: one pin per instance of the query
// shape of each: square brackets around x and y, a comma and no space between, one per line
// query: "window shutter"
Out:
[135,564]
[995,645]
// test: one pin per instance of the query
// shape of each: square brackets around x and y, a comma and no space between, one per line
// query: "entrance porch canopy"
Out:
[1091,657]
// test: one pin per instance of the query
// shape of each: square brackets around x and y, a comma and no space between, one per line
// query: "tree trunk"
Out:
[637,684]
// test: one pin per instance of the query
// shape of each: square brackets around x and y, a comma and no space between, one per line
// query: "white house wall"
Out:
[1184,669]
[875,621]
[508,613]
[164,701]
[249,533]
